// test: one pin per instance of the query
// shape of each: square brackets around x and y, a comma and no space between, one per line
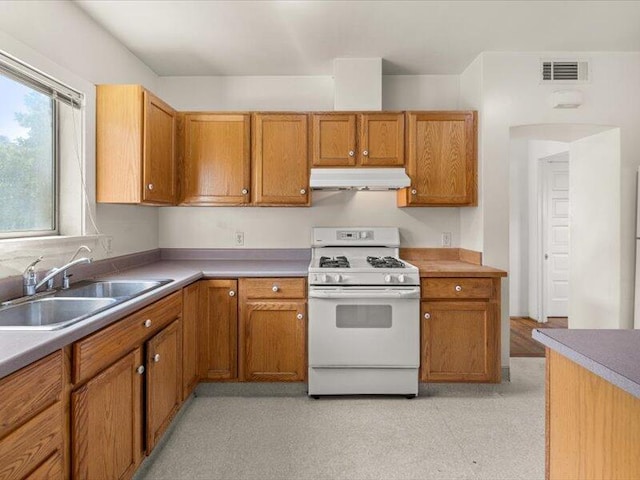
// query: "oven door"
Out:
[364,327]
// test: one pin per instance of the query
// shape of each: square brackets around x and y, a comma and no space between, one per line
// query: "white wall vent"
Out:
[563,71]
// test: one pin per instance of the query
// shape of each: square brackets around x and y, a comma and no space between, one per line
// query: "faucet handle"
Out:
[31,268]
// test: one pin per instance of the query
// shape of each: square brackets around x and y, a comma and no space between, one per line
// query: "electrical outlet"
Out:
[446,239]
[239,238]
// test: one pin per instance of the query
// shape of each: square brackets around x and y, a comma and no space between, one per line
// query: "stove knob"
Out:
[401,278]
[324,278]
[338,278]
[387,278]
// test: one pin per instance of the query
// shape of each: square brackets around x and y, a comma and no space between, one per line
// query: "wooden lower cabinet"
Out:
[273,341]
[460,330]
[51,469]
[106,417]
[459,342]
[164,381]
[218,329]
[190,334]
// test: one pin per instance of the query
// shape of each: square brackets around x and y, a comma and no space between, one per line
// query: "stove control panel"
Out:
[354,235]
[329,278]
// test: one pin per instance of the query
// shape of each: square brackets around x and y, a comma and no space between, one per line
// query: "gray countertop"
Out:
[613,355]
[20,348]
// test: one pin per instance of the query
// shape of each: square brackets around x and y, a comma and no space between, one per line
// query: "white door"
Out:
[555,238]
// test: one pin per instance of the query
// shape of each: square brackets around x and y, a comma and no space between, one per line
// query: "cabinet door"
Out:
[334,140]
[159,155]
[190,314]
[460,342]
[281,159]
[107,422]
[164,381]
[217,159]
[381,139]
[273,341]
[219,329]
[441,159]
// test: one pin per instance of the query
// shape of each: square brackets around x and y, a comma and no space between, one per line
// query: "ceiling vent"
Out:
[564,71]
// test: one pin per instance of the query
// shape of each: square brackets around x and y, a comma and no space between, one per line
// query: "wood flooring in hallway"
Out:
[522,345]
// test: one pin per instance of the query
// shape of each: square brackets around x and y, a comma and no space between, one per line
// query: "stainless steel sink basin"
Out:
[111,288]
[51,313]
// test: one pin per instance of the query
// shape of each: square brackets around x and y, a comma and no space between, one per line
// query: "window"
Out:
[29,155]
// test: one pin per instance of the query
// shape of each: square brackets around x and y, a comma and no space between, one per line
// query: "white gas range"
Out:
[364,319]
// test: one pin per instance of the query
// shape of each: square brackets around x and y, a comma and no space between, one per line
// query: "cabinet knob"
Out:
[458,288]
[232,293]
[351,153]
[147,323]
[275,288]
[150,186]
[300,316]
[427,316]
[156,357]
[302,191]
[413,191]
[140,370]
[245,191]
[365,153]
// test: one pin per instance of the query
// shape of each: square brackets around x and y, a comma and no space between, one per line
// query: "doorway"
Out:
[553,218]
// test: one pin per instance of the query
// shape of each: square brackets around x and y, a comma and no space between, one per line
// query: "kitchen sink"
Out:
[68,306]
[111,288]
[51,313]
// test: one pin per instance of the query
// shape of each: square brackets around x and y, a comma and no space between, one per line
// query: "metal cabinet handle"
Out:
[351,153]
[365,153]
[156,357]
[299,316]
[140,370]
[458,288]
[245,191]
[147,323]
[413,191]
[150,186]
[302,191]
[275,288]
[232,293]
[427,316]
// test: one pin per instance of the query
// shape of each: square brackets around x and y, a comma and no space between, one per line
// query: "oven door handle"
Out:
[413,293]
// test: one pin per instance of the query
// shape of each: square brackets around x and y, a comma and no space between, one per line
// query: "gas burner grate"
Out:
[385,262]
[337,262]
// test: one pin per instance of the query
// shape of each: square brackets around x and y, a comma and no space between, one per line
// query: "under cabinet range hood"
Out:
[358,179]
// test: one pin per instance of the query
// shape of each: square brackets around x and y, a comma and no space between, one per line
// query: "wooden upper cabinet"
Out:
[217,158]
[381,140]
[135,147]
[334,140]
[358,139]
[441,159]
[280,154]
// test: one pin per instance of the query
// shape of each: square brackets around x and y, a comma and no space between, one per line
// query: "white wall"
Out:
[59,39]
[209,227]
[512,95]
[594,282]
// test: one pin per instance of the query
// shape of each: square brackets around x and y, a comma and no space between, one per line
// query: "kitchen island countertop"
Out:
[613,355]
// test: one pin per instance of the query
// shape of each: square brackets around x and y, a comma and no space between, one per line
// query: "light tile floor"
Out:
[450,432]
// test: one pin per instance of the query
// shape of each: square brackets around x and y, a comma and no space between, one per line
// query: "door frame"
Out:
[543,162]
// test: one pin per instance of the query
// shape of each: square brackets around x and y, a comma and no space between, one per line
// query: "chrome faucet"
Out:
[29,276]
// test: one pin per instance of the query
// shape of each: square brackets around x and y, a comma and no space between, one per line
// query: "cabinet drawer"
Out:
[457,288]
[28,391]
[273,288]
[32,444]
[97,351]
